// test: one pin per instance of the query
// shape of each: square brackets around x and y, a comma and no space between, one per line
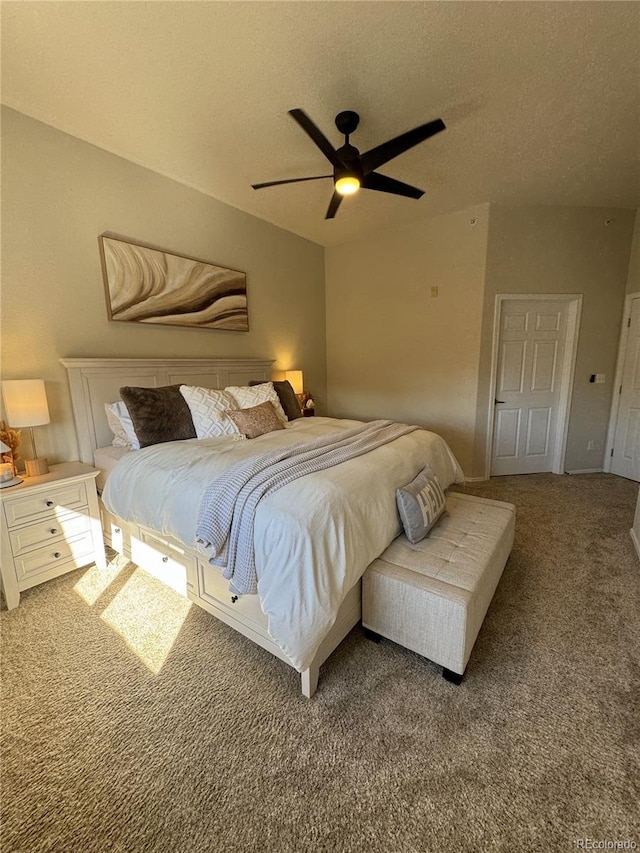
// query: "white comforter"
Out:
[313,538]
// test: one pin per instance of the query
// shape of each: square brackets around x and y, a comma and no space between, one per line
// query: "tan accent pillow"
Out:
[257,420]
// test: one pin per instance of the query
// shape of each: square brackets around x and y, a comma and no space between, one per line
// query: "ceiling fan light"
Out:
[347,185]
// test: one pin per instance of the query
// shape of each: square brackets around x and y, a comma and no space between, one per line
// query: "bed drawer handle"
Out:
[57,554]
[165,559]
[116,530]
[53,531]
[48,503]
[234,598]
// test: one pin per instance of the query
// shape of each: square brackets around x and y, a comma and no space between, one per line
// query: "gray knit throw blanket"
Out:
[227,513]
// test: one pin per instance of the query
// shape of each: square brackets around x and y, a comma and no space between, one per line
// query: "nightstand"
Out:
[49,525]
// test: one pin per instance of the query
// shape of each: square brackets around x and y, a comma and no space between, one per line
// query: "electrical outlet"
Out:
[600,378]
[434,291]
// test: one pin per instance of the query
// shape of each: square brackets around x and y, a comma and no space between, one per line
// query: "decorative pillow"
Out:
[286,395]
[209,410]
[158,414]
[121,425]
[420,504]
[256,420]
[248,396]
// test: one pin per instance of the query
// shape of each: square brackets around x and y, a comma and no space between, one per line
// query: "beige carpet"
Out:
[132,722]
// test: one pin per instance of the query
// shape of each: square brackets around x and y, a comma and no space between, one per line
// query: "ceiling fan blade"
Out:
[375,181]
[317,136]
[288,181]
[334,204]
[370,160]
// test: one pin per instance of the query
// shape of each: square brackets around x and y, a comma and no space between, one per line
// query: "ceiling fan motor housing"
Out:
[349,157]
[347,121]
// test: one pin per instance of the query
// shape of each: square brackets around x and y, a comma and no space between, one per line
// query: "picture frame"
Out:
[144,284]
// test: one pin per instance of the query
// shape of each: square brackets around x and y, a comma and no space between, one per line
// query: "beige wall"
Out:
[395,351]
[59,194]
[563,250]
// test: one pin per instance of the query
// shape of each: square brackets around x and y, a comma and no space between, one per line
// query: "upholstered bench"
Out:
[432,596]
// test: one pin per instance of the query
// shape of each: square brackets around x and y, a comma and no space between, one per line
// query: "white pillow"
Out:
[208,409]
[248,396]
[121,425]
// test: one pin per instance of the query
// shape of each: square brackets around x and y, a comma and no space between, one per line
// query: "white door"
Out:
[531,346]
[626,443]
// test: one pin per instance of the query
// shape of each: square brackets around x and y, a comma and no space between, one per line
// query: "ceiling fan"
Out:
[351,169]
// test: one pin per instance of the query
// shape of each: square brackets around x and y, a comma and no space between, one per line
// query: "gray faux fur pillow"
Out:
[158,414]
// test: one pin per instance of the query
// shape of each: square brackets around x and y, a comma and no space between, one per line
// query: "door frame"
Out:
[574,304]
[617,382]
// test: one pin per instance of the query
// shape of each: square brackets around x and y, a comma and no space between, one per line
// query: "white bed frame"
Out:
[96,381]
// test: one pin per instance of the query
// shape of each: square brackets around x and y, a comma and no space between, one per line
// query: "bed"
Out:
[311,560]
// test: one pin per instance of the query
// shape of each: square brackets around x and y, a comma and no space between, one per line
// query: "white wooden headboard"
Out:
[96,381]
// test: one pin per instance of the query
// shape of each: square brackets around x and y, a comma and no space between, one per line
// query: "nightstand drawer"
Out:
[39,533]
[78,551]
[46,503]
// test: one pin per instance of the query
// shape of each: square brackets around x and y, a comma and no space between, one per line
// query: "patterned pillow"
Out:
[256,420]
[121,425]
[209,409]
[158,414]
[248,396]
[287,396]
[420,504]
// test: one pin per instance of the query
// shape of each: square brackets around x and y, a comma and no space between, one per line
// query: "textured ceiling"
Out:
[540,99]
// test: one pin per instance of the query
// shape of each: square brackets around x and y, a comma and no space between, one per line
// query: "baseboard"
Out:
[585,471]
[635,541]
[476,479]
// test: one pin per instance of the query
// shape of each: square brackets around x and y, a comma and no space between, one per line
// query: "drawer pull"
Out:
[165,559]
[53,531]
[49,503]
[116,530]
[57,554]
[234,598]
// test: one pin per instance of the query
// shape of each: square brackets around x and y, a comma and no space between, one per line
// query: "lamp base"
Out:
[36,467]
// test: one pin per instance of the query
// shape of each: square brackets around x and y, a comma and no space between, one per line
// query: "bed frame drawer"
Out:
[214,589]
[117,534]
[166,560]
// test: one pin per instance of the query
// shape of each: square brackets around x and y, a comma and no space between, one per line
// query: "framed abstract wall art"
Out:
[146,285]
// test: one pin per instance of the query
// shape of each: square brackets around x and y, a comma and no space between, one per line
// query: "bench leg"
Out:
[371,635]
[449,675]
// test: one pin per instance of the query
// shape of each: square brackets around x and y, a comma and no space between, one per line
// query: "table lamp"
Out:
[296,379]
[25,404]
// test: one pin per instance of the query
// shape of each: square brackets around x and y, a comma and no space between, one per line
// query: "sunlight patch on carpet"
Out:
[148,616]
[95,581]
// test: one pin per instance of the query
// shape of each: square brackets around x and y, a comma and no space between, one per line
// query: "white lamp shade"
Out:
[25,402]
[4,448]
[296,379]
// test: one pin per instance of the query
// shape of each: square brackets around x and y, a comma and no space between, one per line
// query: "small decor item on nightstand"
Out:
[309,408]
[25,402]
[7,476]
